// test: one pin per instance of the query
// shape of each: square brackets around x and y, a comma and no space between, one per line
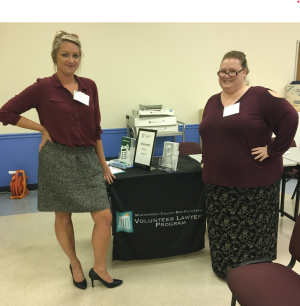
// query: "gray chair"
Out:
[189,148]
[260,282]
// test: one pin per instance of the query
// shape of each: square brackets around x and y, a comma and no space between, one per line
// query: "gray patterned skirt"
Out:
[70,180]
[242,224]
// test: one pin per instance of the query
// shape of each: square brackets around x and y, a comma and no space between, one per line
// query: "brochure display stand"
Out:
[126,155]
[168,162]
[127,151]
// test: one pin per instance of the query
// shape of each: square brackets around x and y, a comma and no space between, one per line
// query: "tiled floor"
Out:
[26,205]
[34,270]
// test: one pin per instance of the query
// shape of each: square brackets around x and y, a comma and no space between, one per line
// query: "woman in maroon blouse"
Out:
[242,167]
[72,165]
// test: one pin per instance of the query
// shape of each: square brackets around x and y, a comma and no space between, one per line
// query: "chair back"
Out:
[295,241]
[189,148]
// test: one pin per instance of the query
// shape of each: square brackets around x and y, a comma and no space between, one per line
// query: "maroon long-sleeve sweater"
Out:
[227,141]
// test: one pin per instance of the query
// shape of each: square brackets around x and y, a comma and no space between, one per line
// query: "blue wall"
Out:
[21,151]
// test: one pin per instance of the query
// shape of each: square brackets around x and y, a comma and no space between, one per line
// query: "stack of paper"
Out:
[150,106]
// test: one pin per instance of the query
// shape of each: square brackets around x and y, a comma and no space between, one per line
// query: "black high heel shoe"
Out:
[94,276]
[80,285]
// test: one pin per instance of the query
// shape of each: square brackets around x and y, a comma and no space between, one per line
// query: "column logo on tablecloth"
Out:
[124,222]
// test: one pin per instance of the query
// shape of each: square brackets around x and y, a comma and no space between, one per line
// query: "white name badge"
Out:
[231,109]
[81,97]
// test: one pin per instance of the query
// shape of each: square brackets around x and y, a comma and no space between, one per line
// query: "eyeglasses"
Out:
[230,73]
[65,33]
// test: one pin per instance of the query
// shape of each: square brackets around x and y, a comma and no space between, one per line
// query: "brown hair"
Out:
[240,56]
[59,38]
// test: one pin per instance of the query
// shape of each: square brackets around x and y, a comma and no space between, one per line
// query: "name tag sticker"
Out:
[231,109]
[81,97]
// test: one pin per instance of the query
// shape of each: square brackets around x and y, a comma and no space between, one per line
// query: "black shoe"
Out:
[80,285]
[94,276]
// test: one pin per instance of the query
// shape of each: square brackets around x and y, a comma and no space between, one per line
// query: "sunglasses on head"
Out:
[65,33]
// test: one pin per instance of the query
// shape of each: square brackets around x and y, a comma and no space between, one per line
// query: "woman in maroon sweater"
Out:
[72,165]
[242,167]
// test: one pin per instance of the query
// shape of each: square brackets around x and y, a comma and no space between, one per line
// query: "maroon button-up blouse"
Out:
[68,121]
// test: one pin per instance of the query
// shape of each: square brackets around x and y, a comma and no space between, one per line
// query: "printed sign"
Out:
[165,219]
[145,148]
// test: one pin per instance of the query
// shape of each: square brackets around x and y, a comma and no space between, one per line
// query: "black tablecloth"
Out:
[156,213]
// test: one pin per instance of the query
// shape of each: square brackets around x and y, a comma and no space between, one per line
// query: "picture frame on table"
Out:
[144,150]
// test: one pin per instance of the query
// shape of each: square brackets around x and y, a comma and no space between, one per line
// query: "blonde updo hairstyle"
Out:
[59,38]
[241,57]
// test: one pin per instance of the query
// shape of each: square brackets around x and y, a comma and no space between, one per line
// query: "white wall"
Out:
[170,63]
[297,136]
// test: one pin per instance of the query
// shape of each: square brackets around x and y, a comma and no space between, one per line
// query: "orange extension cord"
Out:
[18,185]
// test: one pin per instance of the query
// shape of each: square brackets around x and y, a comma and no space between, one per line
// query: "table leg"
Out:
[281,209]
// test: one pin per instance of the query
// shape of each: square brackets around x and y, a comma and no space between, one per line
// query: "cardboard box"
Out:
[154,112]
[161,129]
[293,95]
[152,121]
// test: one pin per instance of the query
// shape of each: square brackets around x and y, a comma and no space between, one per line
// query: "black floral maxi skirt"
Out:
[242,224]
[70,179]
